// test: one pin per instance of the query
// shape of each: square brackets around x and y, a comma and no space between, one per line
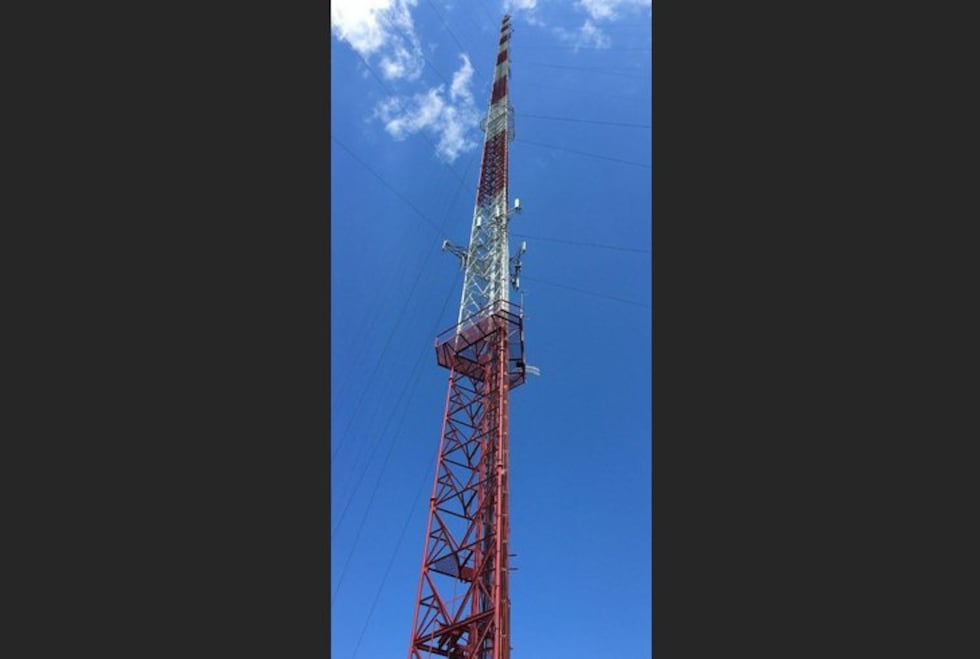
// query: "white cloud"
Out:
[526,7]
[452,119]
[383,30]
[592,35]
[608,9]
[428,108]
[401,63]
[380,27]
[587,36]
[460,89]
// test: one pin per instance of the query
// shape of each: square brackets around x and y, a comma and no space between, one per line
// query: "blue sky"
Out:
[410,82]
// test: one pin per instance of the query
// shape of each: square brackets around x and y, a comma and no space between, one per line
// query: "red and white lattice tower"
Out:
[463,606]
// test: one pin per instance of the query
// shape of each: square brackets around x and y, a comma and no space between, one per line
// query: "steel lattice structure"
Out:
[463,605]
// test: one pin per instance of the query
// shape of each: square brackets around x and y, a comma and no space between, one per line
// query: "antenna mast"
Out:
[462,606]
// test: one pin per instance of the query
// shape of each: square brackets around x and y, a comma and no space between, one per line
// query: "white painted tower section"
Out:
[486,262]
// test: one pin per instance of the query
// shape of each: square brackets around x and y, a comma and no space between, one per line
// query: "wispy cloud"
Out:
[526,8]
[590,35]
[609,9]
[451,119]
[380,28]
[587,36]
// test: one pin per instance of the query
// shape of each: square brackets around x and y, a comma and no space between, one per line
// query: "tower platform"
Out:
[463,347]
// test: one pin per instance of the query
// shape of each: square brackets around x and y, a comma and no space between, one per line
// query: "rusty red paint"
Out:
[493,170]
[468,535]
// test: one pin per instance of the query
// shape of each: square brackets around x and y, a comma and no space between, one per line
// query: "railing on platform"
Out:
[460,347]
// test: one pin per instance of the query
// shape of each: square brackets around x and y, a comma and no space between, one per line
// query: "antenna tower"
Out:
[462,608]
